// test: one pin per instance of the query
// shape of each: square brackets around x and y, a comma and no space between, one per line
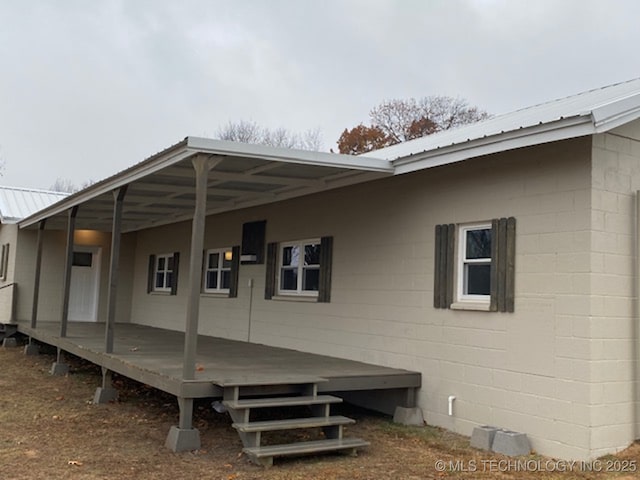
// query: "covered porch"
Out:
[154,356]
[194,179]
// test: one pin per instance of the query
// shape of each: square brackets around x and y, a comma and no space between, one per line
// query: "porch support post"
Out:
[58,367]
[184,437]
[118,198]
[106,393]
[71,228]
[201,165]
[36,280]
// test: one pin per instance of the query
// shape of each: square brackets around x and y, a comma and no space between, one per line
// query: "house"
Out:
[16,204]
[492,270]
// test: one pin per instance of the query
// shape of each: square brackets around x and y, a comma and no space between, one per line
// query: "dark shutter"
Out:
[270,280]
[176,269]
[235,272]
[203,272]
[511,265]
[151,273]
[443,266]
[326,260]
[503,247]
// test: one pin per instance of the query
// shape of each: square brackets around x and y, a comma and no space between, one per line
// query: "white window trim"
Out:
[166,256]
[221,252]
[298,292]
[4,261]
[475,301]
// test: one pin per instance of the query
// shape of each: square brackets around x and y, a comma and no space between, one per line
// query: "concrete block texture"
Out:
[105,395]
[409,416]
[511,443]
[59,369]
[483,436]
[31,349]
[9,342]
[183,440]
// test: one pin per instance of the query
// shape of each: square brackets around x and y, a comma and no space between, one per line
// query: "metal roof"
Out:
[18,203]
[586,113]
[161,188]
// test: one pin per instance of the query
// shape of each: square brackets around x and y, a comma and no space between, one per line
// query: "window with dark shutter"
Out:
[301,268]
[162,274]
[483,265]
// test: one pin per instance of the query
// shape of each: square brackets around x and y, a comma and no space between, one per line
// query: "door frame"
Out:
[96,250]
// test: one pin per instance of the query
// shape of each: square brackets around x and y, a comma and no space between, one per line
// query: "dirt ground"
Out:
[49,429]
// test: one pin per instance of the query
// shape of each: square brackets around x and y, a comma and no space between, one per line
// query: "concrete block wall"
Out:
[613,325]
[527,371]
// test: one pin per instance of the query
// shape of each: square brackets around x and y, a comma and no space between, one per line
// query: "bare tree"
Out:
[250,132]
[67,186]
[435,113]
[395,121]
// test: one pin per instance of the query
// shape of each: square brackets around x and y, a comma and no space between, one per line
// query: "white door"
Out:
[85,284]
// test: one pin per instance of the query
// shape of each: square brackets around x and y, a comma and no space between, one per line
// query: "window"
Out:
[4,261]
[163,273]
[82,259]
[474,265]
[482,265]
[217,271]
[300,267]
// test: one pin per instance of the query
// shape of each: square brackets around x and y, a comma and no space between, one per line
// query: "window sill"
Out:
[157,292]
[215,294]
[477,306]
[295,298]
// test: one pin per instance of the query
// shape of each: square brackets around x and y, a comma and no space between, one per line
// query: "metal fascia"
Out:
[285,155]
[123,178]
[559,130]
[616,113]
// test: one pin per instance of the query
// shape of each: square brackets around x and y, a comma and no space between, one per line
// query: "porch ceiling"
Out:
[161,189]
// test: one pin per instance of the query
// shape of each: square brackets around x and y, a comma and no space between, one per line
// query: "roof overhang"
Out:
[161,189]
[563,129]
[589,113]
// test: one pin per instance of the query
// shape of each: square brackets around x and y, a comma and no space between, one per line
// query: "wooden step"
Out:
[262,380]
[290,424]
[280,402]
[264,455]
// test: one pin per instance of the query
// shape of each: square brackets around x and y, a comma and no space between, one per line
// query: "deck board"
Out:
[154,356]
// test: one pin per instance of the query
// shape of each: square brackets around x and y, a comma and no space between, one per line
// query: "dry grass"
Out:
[49,429]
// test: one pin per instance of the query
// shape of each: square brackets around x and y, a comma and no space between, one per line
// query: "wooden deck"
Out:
[154,356]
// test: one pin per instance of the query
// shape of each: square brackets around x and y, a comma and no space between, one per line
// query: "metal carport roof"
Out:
[161,189]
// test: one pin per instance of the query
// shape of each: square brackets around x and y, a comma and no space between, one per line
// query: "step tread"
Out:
[305,447]
[253,381]
[280,401]
[310,422]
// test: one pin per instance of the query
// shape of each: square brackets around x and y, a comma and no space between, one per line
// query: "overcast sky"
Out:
[88,88]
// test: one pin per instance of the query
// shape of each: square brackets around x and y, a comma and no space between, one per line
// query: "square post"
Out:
[118,199]
[36,279]
[71,228]
[201,165]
